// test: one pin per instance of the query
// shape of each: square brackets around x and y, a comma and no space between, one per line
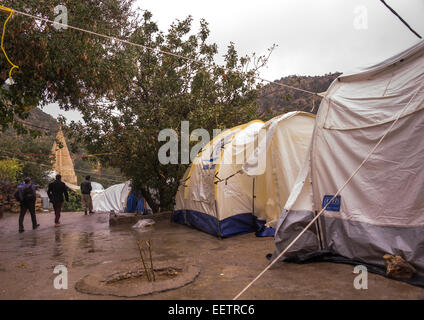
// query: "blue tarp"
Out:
[262,230]
[135,204]
[235,225]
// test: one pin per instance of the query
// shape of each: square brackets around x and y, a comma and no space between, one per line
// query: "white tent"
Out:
[96,187]
[113,198]
[381,210]
[276,163]
[228,190]
[209,199]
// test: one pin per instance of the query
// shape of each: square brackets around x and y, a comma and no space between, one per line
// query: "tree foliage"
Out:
[10,170]
[32,153]
[68,67]
[126,94]
[164,91]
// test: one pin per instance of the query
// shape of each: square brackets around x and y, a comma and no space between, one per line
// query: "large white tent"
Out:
[381,209]
[113,198]
[241,180]
[276,163]
[208,198]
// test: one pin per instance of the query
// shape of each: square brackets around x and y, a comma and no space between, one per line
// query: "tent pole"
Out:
[253,197]
[318,231]
[217,222]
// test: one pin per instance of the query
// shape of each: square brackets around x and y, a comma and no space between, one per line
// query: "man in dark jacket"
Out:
[56,191]
[87,202]
[26,196]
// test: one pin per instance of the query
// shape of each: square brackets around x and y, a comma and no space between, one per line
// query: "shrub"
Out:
[74,203]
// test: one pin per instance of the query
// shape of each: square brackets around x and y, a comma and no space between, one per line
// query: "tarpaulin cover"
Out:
[382,209]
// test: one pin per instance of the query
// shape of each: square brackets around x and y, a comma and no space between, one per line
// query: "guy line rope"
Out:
[334,197]
[111,38]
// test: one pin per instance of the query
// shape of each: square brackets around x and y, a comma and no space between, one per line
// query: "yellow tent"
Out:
[223,194]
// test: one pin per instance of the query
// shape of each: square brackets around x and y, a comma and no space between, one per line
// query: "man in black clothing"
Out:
[56,191]
[87,202]
[26,195]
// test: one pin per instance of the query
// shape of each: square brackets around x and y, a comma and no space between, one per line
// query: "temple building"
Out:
[63,163]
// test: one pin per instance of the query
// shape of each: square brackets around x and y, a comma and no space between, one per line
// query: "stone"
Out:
[131,218]
[397,267]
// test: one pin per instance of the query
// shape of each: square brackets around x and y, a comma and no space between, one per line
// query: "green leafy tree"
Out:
[68,67]
[33,154]
[10,170]
[74,204]
[165,90]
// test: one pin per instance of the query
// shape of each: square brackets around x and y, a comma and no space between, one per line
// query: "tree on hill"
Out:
[274,100]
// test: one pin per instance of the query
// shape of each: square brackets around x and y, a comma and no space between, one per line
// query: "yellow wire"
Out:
[2,40]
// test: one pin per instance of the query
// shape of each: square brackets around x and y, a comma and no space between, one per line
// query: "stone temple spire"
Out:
[63,163]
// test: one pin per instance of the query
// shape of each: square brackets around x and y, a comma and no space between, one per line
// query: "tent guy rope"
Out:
[111,38]
[332,199]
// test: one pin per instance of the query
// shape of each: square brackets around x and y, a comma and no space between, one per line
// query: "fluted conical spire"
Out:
[63,162]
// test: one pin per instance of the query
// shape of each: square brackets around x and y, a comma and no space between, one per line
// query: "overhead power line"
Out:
[104,176]
[99,176]
[111,38]
[400,18]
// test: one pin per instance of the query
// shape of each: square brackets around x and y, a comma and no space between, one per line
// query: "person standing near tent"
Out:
[87,203]
[57,191]
[26,196]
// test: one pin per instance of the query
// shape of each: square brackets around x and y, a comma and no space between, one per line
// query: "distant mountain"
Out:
[274,100]
[39,118]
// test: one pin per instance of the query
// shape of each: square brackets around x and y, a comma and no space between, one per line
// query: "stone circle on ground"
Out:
[129,280]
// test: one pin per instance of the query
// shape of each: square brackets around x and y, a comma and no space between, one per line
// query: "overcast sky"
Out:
[314,37]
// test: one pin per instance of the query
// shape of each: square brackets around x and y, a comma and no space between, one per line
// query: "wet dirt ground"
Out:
[86,245]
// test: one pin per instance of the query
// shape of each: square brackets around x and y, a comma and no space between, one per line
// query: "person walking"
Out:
[57,191]
[87,202]
[26,196]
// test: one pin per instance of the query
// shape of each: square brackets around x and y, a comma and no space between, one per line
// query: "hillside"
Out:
[275,100]
[39,118]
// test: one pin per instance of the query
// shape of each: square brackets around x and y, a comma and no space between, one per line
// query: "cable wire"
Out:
[111,38]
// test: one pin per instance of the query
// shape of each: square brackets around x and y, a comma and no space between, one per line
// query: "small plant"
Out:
[74,203]
[150,274]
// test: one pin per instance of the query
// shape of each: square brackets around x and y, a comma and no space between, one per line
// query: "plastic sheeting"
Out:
[113,198]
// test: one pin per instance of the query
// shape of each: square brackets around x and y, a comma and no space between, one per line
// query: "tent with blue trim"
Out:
[222,194]
[367,148]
